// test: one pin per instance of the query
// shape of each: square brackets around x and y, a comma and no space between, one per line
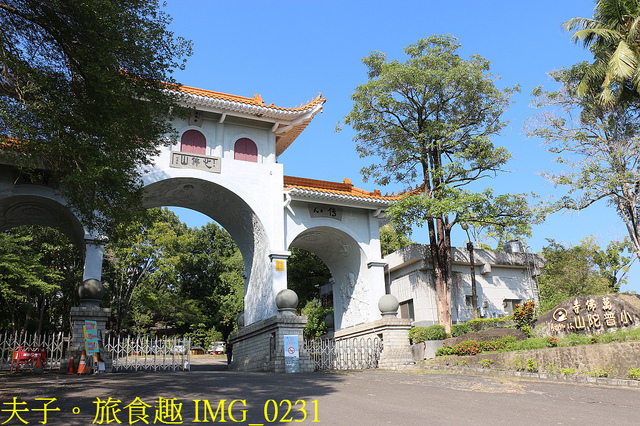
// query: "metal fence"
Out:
[350,354]
[146,353]
[55,345]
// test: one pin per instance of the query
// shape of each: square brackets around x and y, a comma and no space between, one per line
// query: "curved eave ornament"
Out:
[338,199]
[288,123]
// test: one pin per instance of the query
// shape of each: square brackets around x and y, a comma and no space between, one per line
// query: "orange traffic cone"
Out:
[82,367]
[71,366]
[39,369]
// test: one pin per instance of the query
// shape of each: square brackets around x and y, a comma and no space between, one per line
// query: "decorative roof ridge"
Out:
[340,188]
[256,100]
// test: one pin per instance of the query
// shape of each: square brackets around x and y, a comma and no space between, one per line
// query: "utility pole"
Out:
[474,294]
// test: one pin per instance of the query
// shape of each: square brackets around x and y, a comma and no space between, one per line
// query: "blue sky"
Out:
[288,51]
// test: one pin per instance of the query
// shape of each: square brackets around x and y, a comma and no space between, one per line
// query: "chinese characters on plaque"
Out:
[183,160]
[318,210]
[590,314]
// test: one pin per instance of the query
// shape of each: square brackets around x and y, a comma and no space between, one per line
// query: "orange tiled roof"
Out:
[256,100]
[338,188]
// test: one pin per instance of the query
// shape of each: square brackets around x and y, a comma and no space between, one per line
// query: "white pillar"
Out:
[279,269]
[376,286]
[94,249]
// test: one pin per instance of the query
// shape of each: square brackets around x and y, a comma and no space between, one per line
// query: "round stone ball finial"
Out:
[240,319]
[329,321]
[91,292]
[388,305]
[287,302]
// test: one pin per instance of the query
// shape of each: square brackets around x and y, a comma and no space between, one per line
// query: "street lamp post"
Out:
[474,294]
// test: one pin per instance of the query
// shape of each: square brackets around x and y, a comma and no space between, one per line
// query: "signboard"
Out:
[589,315]
[91,336]
[291,354]
[319,210]
[183,160]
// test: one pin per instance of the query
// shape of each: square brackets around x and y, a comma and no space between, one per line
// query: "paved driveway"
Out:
[345,398]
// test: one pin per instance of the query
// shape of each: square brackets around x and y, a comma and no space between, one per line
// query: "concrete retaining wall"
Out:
[612,359]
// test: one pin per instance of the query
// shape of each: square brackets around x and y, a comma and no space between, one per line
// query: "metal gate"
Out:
[350,354]
[54,344]
[144,353]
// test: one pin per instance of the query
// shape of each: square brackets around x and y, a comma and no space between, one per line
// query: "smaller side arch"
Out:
[356,289]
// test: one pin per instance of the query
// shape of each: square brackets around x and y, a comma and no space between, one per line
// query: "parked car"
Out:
[179,350]
[217,348]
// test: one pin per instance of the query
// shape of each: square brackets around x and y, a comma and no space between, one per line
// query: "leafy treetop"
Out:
[82,84]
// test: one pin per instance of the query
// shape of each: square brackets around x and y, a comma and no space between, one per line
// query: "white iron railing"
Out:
[55,345]
[146,353]
[350,354]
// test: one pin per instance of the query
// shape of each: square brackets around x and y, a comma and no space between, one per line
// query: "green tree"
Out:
[210,270]
[141,257]
[430,120]
[392,239]
[82,88]
[306,273]
[598,144]
[39,274]
[613,37]
[316,314]
[572,271]
[613,264]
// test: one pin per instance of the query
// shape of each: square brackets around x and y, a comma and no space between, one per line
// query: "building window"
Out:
[406,310]
[245,150]
[510,304]
[193,142]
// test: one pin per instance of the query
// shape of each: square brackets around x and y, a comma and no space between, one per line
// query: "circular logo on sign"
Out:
[560,315]
[291,350]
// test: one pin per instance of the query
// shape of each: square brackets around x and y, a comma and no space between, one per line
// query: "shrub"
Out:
[552,342]
[594,339]
[567,371]
[485,363]
[527,331]
[445,350]
[517,363]
[523,314]
[433,332]
[460,329]
[531,365]
[468,347]
[634,373]
[598,372]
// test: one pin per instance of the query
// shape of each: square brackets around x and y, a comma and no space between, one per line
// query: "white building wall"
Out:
[408,278]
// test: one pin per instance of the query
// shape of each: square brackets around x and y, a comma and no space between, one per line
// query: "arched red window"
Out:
[245,150]
[193,142]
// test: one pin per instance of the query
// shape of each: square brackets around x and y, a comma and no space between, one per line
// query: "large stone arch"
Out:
[239,219]
[23,203]
[22,210]
[354,300]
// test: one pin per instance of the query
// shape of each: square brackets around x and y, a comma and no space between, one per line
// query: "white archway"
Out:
[354,297]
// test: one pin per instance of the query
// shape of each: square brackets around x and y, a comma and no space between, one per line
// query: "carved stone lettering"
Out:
[183,160]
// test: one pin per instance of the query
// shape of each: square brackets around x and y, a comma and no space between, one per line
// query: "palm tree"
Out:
[613,36]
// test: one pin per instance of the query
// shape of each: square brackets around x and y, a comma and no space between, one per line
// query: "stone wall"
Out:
[394,333]
[260,346]
[612,359]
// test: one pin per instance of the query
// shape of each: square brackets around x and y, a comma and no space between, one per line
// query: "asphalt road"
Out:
[337,398]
